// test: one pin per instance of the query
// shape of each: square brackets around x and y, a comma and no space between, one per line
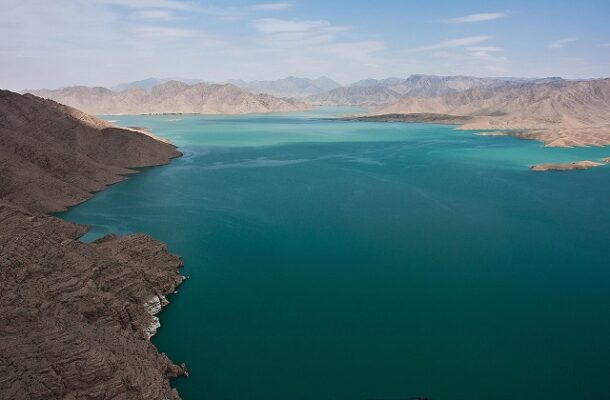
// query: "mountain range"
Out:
[171,97]
[152,82]
[367,92]
[373,92]
[289,87]
[155,95]
[555,111]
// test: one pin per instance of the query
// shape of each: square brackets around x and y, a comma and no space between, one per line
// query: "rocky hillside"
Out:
[372,92]
[75,318]
[171,97]
[558,112]
[54,156]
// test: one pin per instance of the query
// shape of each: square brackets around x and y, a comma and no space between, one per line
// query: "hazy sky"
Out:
[53,43]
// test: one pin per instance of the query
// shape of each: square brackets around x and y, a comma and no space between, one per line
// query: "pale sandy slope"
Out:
[557,112]
[171,97]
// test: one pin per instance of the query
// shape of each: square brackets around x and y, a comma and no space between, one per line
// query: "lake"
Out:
[360,260]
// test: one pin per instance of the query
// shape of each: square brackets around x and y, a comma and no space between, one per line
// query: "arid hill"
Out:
[54,156]
[75,318]
[170,97]
[557,112]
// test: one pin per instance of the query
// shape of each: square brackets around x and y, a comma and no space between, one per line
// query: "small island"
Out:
[430,118]
[586,164]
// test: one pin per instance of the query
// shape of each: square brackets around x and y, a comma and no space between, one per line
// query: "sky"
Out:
[58,43]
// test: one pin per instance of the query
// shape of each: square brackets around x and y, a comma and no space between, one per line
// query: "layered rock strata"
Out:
[76,318]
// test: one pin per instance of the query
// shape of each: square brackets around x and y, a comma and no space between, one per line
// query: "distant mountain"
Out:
[553,110]
[152,82]
[373,92]
[377,82]
[171,97]
[325,83]
[356,96]
[289,87]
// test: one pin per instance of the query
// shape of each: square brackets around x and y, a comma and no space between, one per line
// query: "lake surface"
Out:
[360,260]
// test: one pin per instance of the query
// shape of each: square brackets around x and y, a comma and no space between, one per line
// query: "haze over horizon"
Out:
[107,42]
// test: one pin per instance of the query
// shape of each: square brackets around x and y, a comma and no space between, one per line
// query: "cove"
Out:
[361,260]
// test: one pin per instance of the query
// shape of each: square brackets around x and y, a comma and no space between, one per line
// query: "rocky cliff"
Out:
[75,318]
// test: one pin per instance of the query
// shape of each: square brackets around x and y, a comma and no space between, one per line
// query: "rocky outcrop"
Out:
[76,318]
[559,113]
[73,316]
[171,97]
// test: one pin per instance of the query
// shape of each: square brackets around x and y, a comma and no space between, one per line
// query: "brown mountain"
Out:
[171,97]
[53,155]
[75,318]
[558,112]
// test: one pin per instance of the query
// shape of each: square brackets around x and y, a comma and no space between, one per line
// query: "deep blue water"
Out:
[356,260]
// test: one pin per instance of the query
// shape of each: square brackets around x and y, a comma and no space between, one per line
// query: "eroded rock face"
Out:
[76,318]
[74,321]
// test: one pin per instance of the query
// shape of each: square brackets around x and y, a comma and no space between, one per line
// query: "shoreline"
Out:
[156,302]
[545,135]
[123,176]
[460,122]
[430,118]
[64,299]
[213,114]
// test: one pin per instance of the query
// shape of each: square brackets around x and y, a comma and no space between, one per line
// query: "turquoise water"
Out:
[355,260]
